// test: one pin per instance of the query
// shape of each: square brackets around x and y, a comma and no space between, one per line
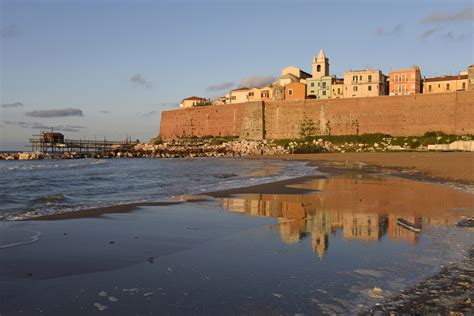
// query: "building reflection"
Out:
[364,209]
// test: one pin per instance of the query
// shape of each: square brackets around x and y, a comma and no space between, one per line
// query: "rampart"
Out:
[451,113]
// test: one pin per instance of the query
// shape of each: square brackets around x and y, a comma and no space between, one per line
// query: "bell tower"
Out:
[320,65]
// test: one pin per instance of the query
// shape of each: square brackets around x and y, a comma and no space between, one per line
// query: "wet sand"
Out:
[310,245]
[452,166]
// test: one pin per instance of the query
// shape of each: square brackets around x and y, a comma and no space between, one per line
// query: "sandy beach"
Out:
[449,166]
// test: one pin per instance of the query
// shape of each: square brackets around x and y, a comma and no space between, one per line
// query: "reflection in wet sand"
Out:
[364,207]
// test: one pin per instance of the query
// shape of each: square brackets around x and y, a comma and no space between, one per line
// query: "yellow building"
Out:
[194,101]
[446,83]
[239,95]
[220,101]
[292,74]
[364,83]
[338,89]
[260,94]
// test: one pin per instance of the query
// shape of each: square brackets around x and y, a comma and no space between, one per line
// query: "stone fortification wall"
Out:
[201,121]
[451,113]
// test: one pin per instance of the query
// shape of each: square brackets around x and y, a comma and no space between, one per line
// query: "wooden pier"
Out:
[56,143]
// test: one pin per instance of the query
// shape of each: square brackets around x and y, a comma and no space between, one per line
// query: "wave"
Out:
[138,181]
[34,165]
[25,237]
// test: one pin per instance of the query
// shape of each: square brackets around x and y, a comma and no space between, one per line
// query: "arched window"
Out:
[318,68]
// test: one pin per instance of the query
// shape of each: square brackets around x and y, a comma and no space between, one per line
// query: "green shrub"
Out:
[156,140]
[308,148]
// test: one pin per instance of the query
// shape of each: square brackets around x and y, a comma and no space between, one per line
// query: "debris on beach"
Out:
[131,291]
[100,306]
[467,222]
[376,292]
[112,299]
[103,293]
[148,294]
[278,295]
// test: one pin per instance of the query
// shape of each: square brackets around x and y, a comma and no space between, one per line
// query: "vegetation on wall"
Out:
[312,144]
[309,128]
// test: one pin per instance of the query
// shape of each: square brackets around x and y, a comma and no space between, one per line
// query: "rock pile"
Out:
[228,149]
[327,146]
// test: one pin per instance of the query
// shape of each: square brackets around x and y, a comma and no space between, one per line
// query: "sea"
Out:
[43,187]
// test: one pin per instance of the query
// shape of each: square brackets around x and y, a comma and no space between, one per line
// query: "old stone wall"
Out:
[394,115]
[218,120]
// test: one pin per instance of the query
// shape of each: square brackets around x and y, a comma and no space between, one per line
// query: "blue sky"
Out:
[107,68]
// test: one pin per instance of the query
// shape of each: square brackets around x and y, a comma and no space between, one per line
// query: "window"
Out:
[338,90]
[412,87]
[429,88]
[312,91]
[396,78]
[233,97]
[319,84]
[404,89]
[324,85]
[360,77]
[395,88]
[265,94]
[413,76]
[250,94]
[290,91]
[354,78]
[439,85]
[324,92]
[370,78]
[447,87]
[404,77]
[318,68]
[464,86]
[312,84]
[370,88]
[354,89]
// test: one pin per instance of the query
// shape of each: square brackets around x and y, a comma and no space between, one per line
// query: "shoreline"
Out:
[445,167]
[326,164]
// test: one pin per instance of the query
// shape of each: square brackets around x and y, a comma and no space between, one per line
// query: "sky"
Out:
[102,68]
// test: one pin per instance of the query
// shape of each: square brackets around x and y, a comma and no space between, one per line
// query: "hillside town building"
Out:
[296,84]
[404,82]
[364,83]
[446,83]
[193,101]
[239,95]
[295,91]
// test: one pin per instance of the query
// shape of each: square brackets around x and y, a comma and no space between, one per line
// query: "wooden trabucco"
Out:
[55,142]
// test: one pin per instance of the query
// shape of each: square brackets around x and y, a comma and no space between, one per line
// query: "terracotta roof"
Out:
[195,98]
[362,70]
[445,78]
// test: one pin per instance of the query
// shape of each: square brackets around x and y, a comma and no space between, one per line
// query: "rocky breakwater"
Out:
[229,149]
[165,150]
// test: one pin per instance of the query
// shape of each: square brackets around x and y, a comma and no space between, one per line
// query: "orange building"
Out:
[403,82]
[295,91]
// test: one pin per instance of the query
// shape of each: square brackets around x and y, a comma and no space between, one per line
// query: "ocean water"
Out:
[41,187]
